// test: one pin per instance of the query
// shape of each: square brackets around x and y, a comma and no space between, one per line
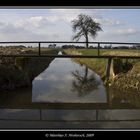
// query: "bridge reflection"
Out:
[22,99]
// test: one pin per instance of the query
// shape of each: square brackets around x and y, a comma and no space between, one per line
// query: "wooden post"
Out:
[98,49]
[39,45]
[108,67]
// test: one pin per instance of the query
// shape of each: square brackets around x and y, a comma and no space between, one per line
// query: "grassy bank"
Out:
[129,81]
[127,70]
[98,65]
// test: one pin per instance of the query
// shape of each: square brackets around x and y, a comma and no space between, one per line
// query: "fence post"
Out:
[39,45]
[98,49]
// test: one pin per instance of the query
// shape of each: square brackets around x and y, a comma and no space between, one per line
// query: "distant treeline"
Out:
[72,46]
[53,46]
[13,46]
[102,47]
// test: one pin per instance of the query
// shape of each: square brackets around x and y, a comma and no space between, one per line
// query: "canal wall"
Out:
[20,71]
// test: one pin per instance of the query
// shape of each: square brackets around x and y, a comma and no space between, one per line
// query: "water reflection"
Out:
[67,82]
[84,83]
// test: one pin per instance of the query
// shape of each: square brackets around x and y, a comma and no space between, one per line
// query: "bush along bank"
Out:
[128,81]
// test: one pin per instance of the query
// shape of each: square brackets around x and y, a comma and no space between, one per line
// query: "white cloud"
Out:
[111,22]
[68,15]
[11,29]
[35,21]
[55,24]
[2,24]
[128,31]
[12,32]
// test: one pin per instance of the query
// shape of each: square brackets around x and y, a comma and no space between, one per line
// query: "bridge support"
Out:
[98,49]
[39,51]
[108,68]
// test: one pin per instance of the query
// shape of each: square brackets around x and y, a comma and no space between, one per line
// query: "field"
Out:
[26,51]
[120,52]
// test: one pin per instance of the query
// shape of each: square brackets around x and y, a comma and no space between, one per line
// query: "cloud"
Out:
[33,28]
[128,31]
[67,15]
[11,29]
[12,32]
[55,24]
[2,24]
[33,22]
[54,16]
[112,22]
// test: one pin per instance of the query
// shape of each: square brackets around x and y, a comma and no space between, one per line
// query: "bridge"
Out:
[99,56]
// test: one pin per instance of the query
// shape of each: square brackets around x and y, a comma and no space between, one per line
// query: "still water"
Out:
[62,83]
[65,94]
[65,81]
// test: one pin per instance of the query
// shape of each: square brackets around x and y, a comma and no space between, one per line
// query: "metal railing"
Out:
[68,42]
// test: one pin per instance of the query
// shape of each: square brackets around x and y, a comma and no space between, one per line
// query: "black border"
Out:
[69,3]
[42,134]
[69,134]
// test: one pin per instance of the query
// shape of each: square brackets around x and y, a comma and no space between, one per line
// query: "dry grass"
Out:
[121,52]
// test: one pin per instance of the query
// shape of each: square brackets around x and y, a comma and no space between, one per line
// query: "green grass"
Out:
[88,51]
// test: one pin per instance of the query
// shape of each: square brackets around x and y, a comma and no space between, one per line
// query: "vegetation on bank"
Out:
[127,71]
[97,65]
[129,81]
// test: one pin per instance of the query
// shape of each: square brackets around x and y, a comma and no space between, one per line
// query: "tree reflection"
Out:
[84,83]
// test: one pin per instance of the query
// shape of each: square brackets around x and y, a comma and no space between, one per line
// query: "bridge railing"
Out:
[70,42]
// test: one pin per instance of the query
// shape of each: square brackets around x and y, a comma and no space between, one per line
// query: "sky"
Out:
[121,25]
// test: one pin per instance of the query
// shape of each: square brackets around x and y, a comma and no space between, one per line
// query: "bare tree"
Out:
[85,26]
[84,83]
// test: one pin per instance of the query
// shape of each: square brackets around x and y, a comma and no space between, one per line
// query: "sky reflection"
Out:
[55,84]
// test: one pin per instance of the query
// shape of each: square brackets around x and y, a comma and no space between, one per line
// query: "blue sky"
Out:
[121,25]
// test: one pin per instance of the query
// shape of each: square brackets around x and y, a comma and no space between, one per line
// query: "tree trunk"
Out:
[86,41]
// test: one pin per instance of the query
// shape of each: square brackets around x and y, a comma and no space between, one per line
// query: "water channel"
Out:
[67,91]
[65,81]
